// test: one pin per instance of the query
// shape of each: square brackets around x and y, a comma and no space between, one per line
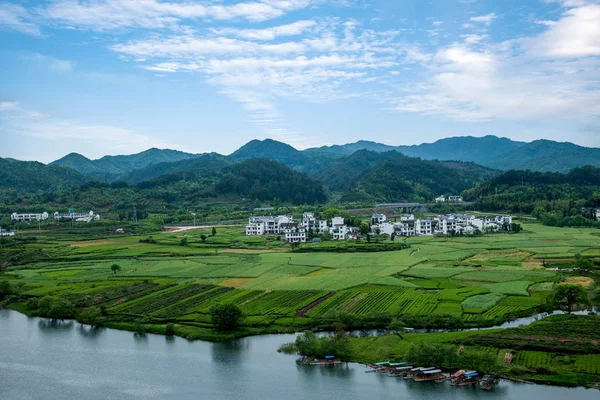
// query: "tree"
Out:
[516,228]
[397,327]
[115,268]
[61,309]
[584,265]
[183,242]
[91,316]
[170,329]
[214,231]
[226,316]
[5,289]
[203,238]
[569,295]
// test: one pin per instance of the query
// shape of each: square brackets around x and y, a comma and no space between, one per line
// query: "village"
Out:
[310,228]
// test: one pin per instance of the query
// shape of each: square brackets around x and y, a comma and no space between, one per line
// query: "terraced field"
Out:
[477,278]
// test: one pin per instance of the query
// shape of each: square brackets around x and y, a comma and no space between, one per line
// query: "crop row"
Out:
[156,301]
[281,302]
[589,363]
[190,303]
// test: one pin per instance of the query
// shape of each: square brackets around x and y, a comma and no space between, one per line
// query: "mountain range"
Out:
[358,172]
[489,151]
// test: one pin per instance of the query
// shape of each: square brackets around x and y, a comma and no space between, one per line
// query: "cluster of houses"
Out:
[449,199]
[70,216]
[406,225]
[452,224]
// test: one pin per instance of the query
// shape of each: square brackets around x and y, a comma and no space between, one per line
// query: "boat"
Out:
[464,378]
[428,375]
[401,371]
[414,371]
[329,360]
[489,382]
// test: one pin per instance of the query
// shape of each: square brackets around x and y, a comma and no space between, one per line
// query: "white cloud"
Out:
[485,19]
[549,76]
[295,28]
[576,34]
[17,18]
[55,64]
[115,14]
[8,105]
[187,46]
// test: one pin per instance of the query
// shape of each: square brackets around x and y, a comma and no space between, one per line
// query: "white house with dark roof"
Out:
[378,218]
[29,217]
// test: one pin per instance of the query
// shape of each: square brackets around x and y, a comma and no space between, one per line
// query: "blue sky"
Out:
[119,76]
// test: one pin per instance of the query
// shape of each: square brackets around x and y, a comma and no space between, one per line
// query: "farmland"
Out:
[481,280]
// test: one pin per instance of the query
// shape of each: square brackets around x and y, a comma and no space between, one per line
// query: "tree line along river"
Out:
[44,359]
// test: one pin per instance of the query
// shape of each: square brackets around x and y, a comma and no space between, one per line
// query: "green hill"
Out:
[111,168]
[34,176]
[400,178]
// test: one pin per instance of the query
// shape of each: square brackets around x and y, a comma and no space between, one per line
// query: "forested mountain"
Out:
[401,178]
[522,191]
[490,151]
[241,183]
[111,168]
[271,150]
[547,156]
[207,163]
[345,172]
[267,180]
[33,176]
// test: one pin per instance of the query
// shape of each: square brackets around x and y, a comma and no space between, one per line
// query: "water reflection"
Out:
[90,332]
[55,325]
[229,352]
[339,371]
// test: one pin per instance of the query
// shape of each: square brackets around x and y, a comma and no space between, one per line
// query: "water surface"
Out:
[43,359]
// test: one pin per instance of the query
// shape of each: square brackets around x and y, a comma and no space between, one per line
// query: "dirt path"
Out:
[302,312]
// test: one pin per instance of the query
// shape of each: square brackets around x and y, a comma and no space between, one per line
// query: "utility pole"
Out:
[194,214]
[135,218]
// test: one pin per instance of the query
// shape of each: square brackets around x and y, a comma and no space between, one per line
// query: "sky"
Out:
[102,77]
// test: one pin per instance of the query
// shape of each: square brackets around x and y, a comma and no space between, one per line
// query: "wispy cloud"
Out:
[52,63]
[100,138]
[293,29]
[319,66]
[101,15]
[485,19]
[15,17]
[516,80]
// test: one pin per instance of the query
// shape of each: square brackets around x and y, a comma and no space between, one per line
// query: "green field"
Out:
[482,280]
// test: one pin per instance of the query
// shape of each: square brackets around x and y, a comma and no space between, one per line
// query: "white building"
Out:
[297,235]
[440,199]
[337,221]
[29,217]
[4,232]
[378,218]
[77,217]
[598,214]
[455,199]
[344,232]
[267,225]
[309,222]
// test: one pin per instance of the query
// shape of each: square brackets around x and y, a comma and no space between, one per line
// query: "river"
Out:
[47,360]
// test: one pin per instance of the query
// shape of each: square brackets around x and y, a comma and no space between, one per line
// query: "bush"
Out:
[226,316]
[91,316]
[170,329]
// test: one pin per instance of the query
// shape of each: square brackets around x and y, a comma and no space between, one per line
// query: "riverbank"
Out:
[561,350]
